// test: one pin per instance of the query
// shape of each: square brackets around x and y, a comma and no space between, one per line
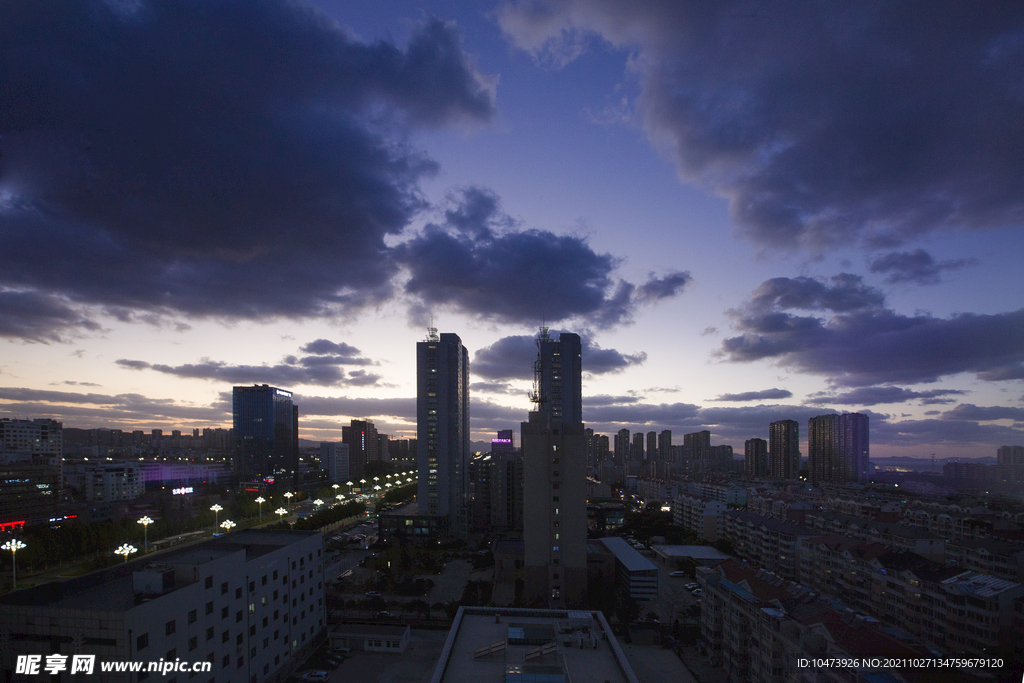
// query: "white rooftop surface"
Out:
[477,630]
[698,552]
[627,554]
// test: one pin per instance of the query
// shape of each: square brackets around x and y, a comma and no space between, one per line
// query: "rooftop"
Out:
[627,555]
[477,627]
[697,552]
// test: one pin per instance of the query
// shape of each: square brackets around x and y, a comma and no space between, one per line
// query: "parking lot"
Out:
[415,665]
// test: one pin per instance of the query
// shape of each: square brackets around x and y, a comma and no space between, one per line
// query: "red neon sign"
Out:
[4,525]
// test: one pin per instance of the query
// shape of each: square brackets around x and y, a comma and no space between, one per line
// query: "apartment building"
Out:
[248,603]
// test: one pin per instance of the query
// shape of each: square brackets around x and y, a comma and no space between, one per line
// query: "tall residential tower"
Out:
[442,428]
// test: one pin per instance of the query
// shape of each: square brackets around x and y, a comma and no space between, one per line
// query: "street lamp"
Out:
[261,500]
[335,487]
[362,485]
[289,495]
[227,524]
[145,522]
[318,502]
[14,545]
[216,512]
[349,485]
[126,550]
[340,497]
[282,512]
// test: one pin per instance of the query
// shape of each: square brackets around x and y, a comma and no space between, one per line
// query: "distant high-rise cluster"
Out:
[755,458]
[442,424]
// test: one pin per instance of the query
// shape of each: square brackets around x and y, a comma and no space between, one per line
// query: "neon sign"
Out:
[182,490]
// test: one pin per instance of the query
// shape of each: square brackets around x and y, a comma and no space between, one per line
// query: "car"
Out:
[316,676]
[373,594]
[385,615]
[697,592]
[691,586]
[678,573]
[342,651]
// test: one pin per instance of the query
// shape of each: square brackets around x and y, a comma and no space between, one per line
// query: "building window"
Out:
[193,643]
[275,575]
[171,654]
[224,637]
[209,607]
[239,638]
[238,593]
[224,612]
[192,617]
[224,588]
[252,586]
[238,616]
[209,582]
[169,627]
[142,642]
[209,633]
[263,581]
[227,660]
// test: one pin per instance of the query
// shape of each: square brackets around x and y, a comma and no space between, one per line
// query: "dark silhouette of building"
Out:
[784,449]
[265,431]
[442,424]
[755,458]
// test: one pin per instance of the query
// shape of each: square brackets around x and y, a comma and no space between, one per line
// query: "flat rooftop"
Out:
[627,555]
[475,628]
[697,552]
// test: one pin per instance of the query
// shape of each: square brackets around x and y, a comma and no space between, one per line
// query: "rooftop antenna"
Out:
[537,395]
[432,335]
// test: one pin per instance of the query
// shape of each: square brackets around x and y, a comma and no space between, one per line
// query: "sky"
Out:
[749,211]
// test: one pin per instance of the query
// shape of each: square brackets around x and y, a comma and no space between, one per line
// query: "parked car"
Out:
[373,594]
[698,592]
[691,586]
[343,651]
[678,573]
[316,676]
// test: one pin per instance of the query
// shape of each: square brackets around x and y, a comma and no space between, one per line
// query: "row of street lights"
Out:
[126,549]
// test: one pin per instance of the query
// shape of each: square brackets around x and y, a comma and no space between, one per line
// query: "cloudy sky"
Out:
[749,211]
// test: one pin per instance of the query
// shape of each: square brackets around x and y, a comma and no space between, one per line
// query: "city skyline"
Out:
[775,226]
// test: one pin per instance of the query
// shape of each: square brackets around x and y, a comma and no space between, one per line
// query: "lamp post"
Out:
[349,485]
[145,522]
[261,500]
[340,497]
[227,524]
[288,495]
[282,512]
[216,512]
[318,502]
[14,545]
[362,485]
[335,487]
[126,550]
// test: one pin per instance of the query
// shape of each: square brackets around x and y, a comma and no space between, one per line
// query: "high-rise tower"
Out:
[784,449]
[442,427]
[559,376]
[554,478]
[265,431]
[838,448]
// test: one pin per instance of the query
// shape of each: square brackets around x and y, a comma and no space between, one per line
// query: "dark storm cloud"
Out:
[917,266]
[953,432]
[822,125]
[512,358]
[216,157]
[324,369]
[756,395]
[357,408]
[863,343]
[476,263]
[969,411]
[37,317]
[88,409]
[494,388]
[870,396]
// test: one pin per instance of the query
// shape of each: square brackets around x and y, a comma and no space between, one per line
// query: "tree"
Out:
[626,609]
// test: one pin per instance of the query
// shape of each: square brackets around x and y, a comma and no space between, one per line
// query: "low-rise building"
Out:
[247,604]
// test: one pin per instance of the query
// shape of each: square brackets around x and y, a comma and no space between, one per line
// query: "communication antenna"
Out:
[537,395]
[432,335]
